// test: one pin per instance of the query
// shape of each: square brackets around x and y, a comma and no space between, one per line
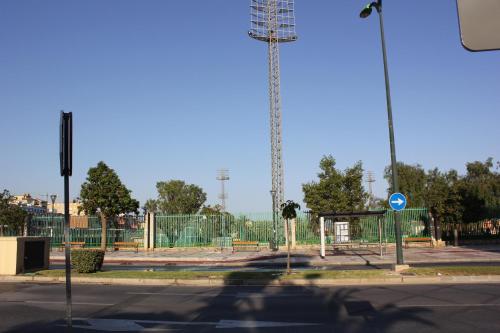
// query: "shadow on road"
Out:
[260,307]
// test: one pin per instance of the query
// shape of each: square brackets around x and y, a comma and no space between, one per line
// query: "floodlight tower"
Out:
[222,176]
[273,22]
[370,179]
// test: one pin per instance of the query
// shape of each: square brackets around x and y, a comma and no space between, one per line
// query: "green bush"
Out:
[87,261]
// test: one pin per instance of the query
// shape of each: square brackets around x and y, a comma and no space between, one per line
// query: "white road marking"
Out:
[181,294]
[55,302]
[256,324]
[237,295]
[443,305]
[111,325]
[262,295]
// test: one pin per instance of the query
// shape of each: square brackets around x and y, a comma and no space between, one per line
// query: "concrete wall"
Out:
[12,254]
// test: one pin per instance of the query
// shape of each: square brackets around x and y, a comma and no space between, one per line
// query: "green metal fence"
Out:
[212,230]
[220,230]
[53,226]
[485,229]
[306,230]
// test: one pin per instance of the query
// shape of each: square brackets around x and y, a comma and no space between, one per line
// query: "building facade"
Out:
[30,204]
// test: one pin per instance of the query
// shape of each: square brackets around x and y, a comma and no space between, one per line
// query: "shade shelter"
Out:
[379,214]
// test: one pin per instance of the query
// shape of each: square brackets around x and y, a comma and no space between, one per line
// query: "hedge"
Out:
[86,260]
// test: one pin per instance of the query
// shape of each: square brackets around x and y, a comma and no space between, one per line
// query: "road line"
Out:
[55,302]
[113,325]
[238,295]
[181,294]
[444,305]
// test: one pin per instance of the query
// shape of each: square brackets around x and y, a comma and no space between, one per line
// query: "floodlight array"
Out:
[272,19]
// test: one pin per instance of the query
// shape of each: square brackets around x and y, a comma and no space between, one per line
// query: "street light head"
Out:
[366,11]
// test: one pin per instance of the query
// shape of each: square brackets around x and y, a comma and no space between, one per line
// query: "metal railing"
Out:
[220,230]
[121,229]
[485,229]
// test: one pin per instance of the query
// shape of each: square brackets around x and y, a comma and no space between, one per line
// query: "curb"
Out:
[395,280]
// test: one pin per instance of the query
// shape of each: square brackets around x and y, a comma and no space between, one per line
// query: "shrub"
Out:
[86,260]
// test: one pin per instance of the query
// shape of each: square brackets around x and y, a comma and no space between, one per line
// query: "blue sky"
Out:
[176,90]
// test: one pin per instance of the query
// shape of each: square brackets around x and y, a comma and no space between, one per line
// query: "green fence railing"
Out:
[213,230]
[485,229]
[220,230]
[53,226]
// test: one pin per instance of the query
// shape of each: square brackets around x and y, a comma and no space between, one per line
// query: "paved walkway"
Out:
[303,256]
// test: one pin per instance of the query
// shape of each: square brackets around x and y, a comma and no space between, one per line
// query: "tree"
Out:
[412,182]
[213,210]
[11,216]
[336,190]
[442,196]
[104,193]
[480,190]
[177,197]
[151,206]
[288,212]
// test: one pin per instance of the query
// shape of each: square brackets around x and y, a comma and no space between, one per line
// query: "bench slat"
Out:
[126,245]
[418,239]
[408,240]
[245,244]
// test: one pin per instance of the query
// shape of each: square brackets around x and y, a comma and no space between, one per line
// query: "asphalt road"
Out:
[430,308]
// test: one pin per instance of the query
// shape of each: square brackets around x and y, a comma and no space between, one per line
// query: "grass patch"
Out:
[267,275]
[455,270]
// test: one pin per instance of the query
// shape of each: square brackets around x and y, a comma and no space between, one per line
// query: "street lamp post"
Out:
[275,232]
[395,186]
[53,199]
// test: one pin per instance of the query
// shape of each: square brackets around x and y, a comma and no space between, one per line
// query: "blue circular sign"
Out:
[397,201]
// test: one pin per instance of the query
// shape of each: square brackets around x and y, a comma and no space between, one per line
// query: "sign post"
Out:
[66,159]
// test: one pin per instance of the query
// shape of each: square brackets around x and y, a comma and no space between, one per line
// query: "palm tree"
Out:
[288,212]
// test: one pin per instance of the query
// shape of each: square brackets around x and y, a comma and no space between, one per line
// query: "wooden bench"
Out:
[72,244]
[126,245]
[409,240]
[245,244]
[345,245]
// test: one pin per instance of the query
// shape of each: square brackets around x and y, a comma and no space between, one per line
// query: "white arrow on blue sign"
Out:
[397,201]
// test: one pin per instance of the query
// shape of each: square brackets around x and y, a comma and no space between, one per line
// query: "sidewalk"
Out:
[308,257]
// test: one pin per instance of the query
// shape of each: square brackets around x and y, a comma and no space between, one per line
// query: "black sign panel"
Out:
[66,143]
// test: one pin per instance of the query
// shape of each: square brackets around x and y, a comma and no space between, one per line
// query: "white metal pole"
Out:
[380,235]
[322,236]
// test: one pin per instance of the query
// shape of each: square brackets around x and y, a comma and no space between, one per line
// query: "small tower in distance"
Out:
[222,176]
[370,179]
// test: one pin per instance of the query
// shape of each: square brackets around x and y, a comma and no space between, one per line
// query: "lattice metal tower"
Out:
[223,175]
[273,21]
[370,179]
